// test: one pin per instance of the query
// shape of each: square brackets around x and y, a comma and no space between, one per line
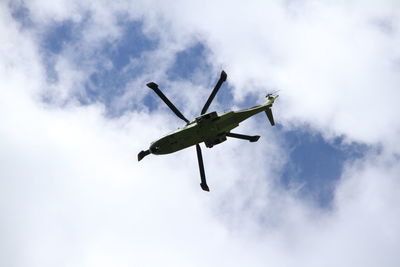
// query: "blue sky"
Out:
[313,162]
[324,178]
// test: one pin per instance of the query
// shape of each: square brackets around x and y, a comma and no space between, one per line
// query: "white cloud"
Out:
[72,193]
[337,68]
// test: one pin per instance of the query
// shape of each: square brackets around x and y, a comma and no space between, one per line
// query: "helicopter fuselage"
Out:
[209,128]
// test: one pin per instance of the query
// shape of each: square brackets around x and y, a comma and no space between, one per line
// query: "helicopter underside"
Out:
[208,128]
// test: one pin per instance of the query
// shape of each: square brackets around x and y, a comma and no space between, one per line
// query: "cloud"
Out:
[72,193]
[332,61]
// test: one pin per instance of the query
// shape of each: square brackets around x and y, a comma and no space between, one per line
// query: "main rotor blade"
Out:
[203,184]
[143,154]
[222,79]
[154,86]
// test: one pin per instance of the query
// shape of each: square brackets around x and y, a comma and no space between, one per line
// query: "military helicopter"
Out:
[210,128]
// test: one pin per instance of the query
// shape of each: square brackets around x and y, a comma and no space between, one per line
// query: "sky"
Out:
[321,188]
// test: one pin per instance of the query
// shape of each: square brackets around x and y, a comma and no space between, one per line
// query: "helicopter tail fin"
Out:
[270,117]
[268,104]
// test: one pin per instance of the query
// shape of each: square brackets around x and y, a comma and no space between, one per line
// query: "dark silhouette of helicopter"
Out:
[210,128]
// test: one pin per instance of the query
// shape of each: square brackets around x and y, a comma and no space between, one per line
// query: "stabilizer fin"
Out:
[268,111]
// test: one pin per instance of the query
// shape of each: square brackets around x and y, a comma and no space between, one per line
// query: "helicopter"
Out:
[210,128]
